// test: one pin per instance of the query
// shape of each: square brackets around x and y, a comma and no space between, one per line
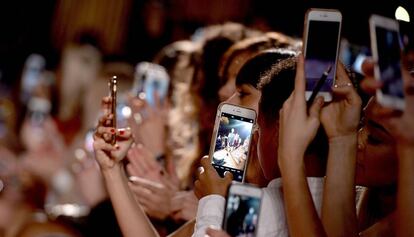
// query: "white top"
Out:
[272,219]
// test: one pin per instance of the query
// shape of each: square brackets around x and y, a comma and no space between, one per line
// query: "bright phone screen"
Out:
[388,47]
[321,51]
[242,215]
[232,145]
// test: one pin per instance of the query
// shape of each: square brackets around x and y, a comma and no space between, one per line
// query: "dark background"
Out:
[36,26]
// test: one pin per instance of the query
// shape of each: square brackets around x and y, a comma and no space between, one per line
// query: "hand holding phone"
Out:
[386,52]
[242,211]
[230,144]
[321,38]
[112,91]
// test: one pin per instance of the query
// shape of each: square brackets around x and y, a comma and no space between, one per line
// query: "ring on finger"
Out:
[343,85]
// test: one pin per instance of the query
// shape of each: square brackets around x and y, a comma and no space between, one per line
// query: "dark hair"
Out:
[252,46]
[258,66]
[276,86]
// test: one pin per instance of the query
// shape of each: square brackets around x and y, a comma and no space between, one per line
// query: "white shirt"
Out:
[272,219]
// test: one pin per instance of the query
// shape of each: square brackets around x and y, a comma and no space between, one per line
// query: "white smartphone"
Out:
[386,51]
[322,34]
[242,210]
[230,143]
[151,78]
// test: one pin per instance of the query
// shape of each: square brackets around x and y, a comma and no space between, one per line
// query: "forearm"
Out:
[405,196]
[131,218]
[338,206]
[301,214]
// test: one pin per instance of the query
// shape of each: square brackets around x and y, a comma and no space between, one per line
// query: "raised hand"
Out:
[341,117]
[209,182]
[106,154]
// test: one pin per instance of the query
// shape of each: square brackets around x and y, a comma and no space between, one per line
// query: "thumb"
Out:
[228,177]
[315,109]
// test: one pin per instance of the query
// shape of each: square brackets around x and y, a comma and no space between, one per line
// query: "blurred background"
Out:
[55,60]
[133,31]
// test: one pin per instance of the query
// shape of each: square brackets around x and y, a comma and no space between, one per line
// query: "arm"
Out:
[338,205]
[131,217]
[211,189]
[296,130]
[340,120]
[405,197]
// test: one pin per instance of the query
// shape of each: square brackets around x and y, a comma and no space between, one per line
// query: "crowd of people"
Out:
[343,168]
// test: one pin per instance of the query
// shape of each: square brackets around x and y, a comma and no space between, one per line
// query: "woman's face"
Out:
[376,158]
[247,96]
[228,89]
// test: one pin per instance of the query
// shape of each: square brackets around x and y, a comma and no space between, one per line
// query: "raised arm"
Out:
[131,218]
[296,131]
[340,120]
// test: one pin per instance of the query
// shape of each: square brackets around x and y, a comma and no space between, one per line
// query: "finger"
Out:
[368,67]
[300,83]
[197,189]
[370,85]
[216,232]
[100,144]
[341,75]
[315,109]
[154,187]
[206,164]
[101,131]
[106,104]
[228,177]
[134,171]
[124,134]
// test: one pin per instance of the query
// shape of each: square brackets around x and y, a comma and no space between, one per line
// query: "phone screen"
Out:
[156,82]
[321,50]
[242,215]
[232,145]
[388,47]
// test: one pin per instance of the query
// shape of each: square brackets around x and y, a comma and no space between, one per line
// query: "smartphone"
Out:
[230,142]
[113,91]
[241,216]
[322,34]
[151,78]
[386,51]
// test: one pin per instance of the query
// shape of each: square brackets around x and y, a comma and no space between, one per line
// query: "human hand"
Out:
[216,233]
[297,127]
[209,182]
[184,206]
[108,155]
[147,120]
[399,123]
[340,117]
[142,164]
[155,198]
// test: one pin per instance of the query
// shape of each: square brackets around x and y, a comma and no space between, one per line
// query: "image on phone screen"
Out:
[321,51]
[388,47]
[232,144]
[242,215]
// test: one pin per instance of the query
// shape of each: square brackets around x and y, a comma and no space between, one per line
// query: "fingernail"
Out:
[122,132]
[112,130]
